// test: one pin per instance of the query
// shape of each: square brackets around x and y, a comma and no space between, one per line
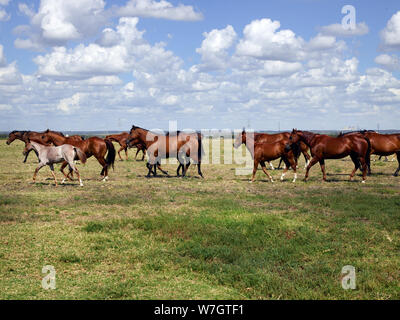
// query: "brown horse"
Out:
[325,147]
[93,146]
[121,139]
[161,146]
[270,138]
[24,136]
[262,152]
[382,145]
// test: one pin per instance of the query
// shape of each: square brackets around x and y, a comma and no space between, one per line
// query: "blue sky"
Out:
[105,65]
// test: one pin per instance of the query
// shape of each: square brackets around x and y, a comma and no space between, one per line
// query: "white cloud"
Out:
[322,42]
[391,34]
[4,16]
[389,62]
[262,40]
[5,107]
[9,75]
[58,22]
[4,2]
[68,105]
[159,9]
[337,30]
[2,57]
[214,48]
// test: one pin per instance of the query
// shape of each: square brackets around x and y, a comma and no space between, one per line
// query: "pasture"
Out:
[217,238]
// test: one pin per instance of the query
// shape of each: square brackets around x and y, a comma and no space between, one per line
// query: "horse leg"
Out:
[322,165]
[293,164]
[41,165]
[254,170]
[66,176]
[265,171]
[149,166]
[163,171]
[356,162]
[79,176]
[398,168]
[126,153]
[285,169]
[272,166]
[144,153]
[104,171]
[280,162]
[137,151]
[306,159]
[119,154]
[53,174]
[313,161]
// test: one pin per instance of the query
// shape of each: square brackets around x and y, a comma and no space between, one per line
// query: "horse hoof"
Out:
[363,181]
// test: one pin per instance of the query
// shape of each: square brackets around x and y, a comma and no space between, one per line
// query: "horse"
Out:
[382,145]
[93,146]
[48,155]
[161,146]
[326,147]
[25,135]
[262,152]
[270,138]
[121,139]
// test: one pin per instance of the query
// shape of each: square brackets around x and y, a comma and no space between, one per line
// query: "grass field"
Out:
[217,238]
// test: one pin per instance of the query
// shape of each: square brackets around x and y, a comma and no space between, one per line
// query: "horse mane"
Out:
[341,134]
[56,132]
[21,131]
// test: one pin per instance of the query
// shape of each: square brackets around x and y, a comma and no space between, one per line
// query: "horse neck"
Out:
[57,139]
[144,135]
[249,143]
[307,137]
[36,146]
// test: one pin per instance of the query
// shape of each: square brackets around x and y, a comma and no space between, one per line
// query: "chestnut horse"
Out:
[93,146]
[270,138]
[161,146]
[121,139]
[264,151]
[382,145]
[325,147]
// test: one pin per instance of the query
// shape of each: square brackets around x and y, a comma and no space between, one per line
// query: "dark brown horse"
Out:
[382,145]
[121,139]
[93,146]
[159,146]
[325,147]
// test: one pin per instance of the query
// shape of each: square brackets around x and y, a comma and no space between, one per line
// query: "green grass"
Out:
[217,238]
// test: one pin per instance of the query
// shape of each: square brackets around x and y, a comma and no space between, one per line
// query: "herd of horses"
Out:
[54,147]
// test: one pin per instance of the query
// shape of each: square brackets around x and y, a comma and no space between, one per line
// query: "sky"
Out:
[207,64]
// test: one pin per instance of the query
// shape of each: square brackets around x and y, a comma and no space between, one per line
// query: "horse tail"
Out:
[81,155]
[111,138]
[368,155]
[110,159]
[111,153]
[200,150]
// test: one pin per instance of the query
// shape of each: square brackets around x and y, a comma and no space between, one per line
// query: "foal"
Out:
[48,155]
